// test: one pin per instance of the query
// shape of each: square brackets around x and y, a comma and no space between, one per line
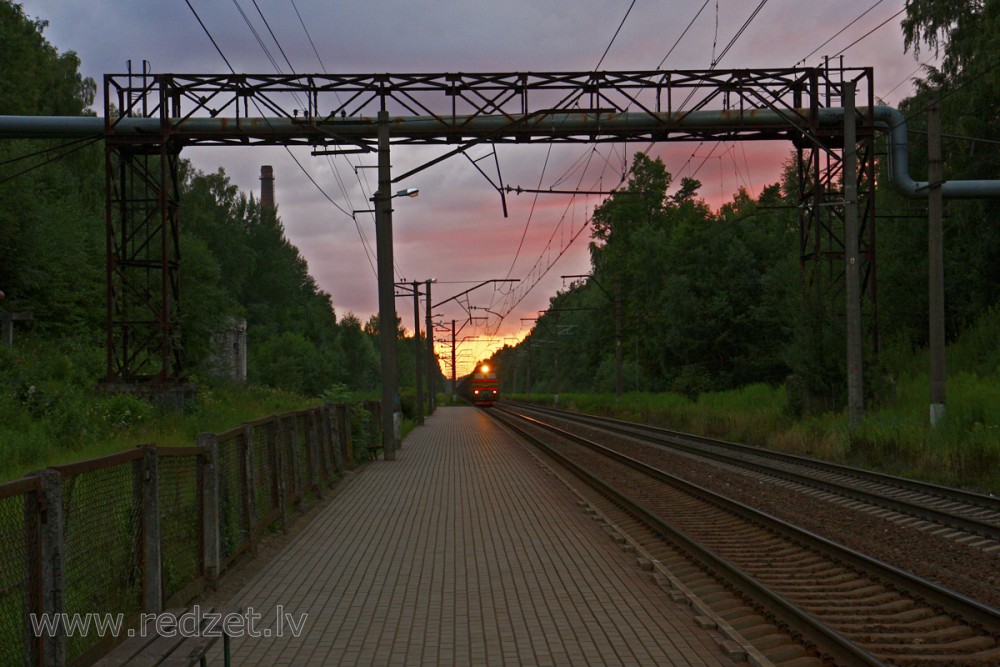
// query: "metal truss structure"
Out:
[151,118]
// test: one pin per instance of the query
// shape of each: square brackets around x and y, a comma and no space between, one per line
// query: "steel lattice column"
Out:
[821,204]
[142,238]
[143,260]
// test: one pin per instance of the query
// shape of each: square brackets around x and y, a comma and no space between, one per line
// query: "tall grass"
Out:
[896,437]
[51,412]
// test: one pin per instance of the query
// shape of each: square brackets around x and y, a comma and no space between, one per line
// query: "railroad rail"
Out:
[846,606]
[972,513]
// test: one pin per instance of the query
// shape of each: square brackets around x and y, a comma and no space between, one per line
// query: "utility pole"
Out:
[454,381]
[432,366]
[618,340]
[852,267]
[386,296]
[417,351]
[935,258]
[530,339]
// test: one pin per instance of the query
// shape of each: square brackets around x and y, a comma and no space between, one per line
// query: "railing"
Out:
[148,529]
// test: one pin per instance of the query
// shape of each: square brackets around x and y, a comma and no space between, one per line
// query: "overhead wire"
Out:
[534,201]
[83,143]
[683,33]
[615,36]
[274,37]
[739,33]
[841,31]
[624,175]
[365,190]
[209,35]
[287,149]
[870,32]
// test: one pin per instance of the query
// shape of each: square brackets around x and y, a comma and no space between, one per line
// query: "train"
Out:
[485,386]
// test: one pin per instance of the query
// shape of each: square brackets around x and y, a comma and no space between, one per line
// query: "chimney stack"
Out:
[267,187]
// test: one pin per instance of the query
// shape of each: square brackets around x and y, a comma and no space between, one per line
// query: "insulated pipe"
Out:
[457,129]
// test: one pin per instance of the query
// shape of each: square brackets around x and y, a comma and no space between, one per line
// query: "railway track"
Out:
[844,606]
[974,519]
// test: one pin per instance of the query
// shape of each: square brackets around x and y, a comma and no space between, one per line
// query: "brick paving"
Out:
[464,551]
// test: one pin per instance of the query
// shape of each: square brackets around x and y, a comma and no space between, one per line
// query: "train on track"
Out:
[485,386]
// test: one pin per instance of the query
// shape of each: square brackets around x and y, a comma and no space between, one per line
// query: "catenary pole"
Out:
[852,266]
[935,258]
[386,295]
[417,352]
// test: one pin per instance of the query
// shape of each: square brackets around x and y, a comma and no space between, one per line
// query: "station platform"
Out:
[465,550]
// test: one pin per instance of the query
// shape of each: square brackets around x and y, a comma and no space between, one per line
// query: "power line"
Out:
[739,33]
[260,41]
[531,213]
[274,37]
[839,32]
[308,36]
[212,39]
[685,32]
[615,36]
[336,173]
[50,149]
[287,149]
[906,78]
[880,25]
[87,142]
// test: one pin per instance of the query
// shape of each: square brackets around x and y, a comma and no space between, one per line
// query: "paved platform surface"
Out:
[464,551]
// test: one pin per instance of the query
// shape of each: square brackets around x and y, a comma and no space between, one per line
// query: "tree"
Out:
[51,215]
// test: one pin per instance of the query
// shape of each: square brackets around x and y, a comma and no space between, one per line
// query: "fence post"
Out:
[152,570]
[249,494]
[344,431]
[333,437]
[278,465]
[326,443]
[292,430]
[52,551]
[210,508]
[312,442]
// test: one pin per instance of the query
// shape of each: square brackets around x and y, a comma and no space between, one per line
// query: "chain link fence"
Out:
[151,527]
[102,533]
[181,523]
[19,569]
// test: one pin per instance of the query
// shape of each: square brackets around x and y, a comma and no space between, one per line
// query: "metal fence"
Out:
[147,529]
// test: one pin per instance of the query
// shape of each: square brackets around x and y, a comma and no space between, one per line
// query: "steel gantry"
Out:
[149,119]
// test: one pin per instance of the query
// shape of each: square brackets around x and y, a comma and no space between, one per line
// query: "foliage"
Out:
[704,297]
[50,412]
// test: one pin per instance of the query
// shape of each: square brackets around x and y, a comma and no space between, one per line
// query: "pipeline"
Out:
[462,128]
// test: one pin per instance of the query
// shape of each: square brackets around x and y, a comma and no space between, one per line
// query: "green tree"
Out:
[51,212]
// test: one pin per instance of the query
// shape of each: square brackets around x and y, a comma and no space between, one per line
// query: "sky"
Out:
[455,231]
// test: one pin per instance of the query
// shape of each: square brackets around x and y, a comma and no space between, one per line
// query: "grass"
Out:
[50,412]
[896,438]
